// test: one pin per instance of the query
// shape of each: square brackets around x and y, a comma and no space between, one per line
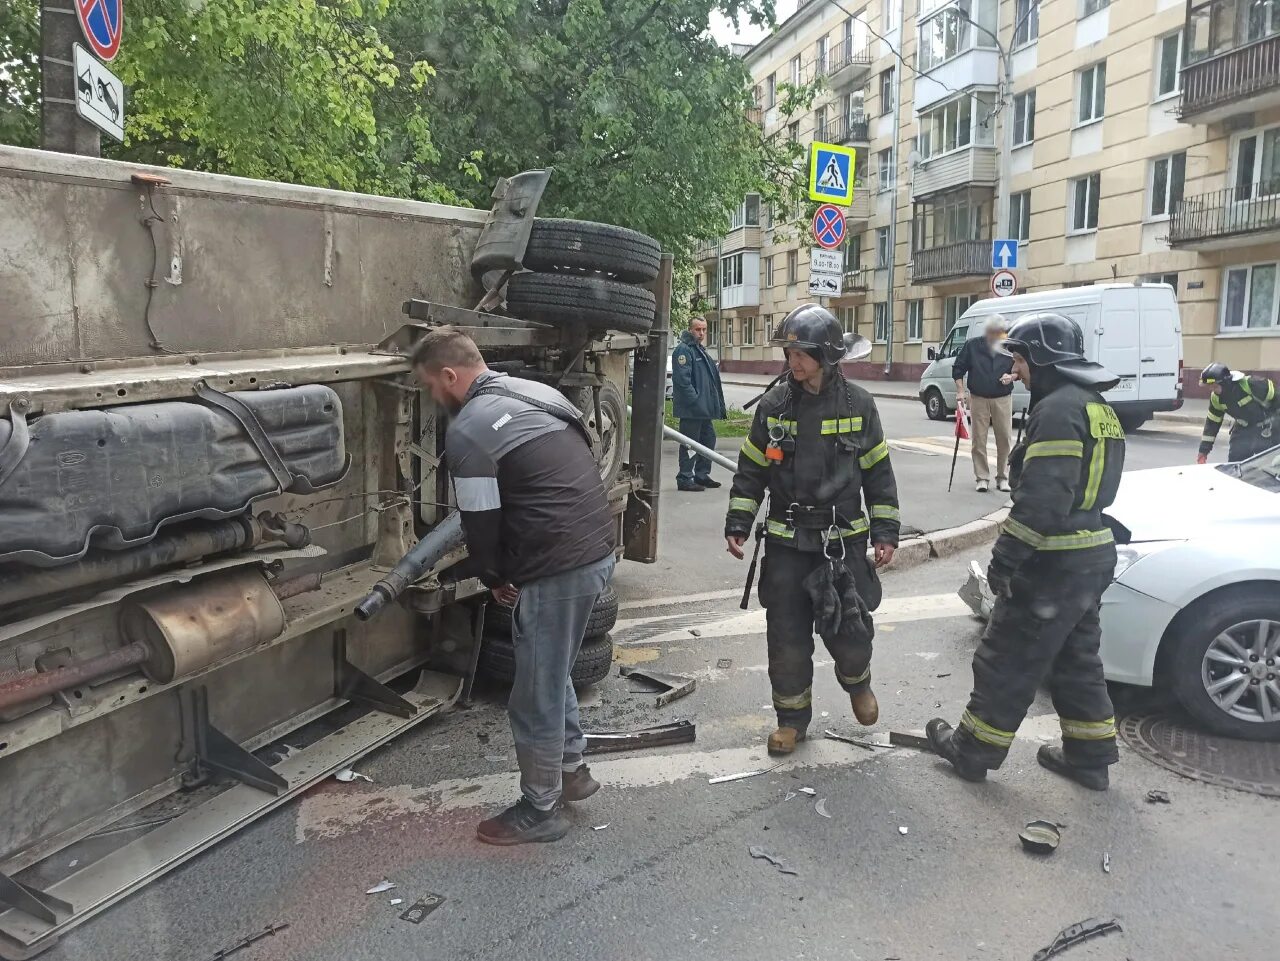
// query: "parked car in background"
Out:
[1134,330]
[1195,604]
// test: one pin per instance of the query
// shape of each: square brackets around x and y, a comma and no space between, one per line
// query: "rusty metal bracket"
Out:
[217,753]
[33,901]
[355,685]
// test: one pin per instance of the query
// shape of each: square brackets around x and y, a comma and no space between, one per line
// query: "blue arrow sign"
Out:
[1004,255]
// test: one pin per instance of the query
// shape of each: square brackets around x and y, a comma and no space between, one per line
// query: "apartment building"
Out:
[1115,141]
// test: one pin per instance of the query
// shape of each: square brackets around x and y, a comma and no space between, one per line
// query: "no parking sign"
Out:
[103,24]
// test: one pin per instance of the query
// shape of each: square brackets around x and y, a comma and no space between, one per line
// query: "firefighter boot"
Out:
[865,706]
[1094,778]
[784,740]
[942,739]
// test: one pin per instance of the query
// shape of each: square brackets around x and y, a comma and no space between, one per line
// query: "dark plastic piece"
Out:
[505,235]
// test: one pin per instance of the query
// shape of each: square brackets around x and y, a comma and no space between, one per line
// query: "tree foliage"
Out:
[20,72]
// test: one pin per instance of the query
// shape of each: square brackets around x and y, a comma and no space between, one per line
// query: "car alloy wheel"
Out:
[1241,670]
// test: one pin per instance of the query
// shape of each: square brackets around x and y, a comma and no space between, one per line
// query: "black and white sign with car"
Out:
[99,94]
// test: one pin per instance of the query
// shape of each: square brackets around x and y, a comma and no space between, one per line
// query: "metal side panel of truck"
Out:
[130,292]
[1133,329]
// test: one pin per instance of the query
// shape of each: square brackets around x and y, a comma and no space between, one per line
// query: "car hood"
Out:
[1179,503]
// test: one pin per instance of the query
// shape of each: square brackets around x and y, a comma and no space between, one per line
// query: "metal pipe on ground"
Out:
[695,446]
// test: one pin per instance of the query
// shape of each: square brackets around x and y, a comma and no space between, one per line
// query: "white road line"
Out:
[674,600]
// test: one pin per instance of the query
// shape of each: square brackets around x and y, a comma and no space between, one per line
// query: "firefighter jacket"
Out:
[818,456]
[1251,402]
[1064,475]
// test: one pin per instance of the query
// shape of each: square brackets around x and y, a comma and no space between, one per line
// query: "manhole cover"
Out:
[1252,766]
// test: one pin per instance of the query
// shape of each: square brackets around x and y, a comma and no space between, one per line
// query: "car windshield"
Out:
[1262,470]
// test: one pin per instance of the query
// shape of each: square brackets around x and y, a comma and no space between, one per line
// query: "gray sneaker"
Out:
[522,823]
[578,785]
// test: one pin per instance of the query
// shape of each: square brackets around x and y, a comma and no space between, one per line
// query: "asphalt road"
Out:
[669,876]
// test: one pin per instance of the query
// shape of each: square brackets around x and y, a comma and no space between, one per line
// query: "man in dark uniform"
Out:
[1251,402]
[817,448]
[697,399]
[1053,559]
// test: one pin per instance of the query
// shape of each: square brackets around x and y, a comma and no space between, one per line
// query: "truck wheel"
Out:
[934,405]
[569,298]
[1131,420]
[1226,664]
[599,248]
[612,432]
[497,619]
[498,660]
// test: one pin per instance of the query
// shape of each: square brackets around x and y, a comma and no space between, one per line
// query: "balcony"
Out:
[976,67]
[860,211]
[1238,80]
[857,280]
[1227,218]
[972,165]
[746,237]
[848,66]
[966,258]
[846,130]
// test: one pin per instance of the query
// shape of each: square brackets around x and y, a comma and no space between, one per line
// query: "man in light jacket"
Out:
[697,400]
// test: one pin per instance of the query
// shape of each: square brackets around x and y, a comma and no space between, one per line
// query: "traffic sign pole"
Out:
[61,128]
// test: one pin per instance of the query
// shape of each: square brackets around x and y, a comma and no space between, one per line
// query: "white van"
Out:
[1131,329]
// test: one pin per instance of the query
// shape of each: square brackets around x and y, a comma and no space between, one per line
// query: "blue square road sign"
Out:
[1004,254]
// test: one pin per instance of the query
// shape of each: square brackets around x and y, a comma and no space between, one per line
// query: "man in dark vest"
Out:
[697,399]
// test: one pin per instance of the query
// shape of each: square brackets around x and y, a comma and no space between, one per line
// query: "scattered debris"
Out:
[482,738]
[495,758]
[764,855]
[74,862]
[1106,862]
[808,790]
[903,829]
[395,901]
[724,663]
[742,775]
[790,795]
[673,685]
[268,931]
[826,713]
[948,674]
[902,739]
[383,885]
[1040,837]
[821,808]
[1075,934]
[856,742]
[677,732]
[1156,796]
[695,632]
[601,827]
[418,911]
[346,774]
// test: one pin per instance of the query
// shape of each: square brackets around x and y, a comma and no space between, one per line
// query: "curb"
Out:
[946,542]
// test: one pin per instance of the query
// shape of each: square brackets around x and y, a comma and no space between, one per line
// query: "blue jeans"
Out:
[547,628]
[695,467]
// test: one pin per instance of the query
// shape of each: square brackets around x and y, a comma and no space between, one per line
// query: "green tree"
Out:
[20,72]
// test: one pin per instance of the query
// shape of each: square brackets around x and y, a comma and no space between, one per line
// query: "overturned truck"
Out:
[213,460]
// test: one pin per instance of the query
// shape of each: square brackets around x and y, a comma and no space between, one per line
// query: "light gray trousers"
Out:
[546,630]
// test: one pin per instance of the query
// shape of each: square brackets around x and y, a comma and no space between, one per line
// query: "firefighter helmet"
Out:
[1215,373]
[816,331]
[1050,339]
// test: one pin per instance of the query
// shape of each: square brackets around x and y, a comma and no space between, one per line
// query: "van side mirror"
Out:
[931,353]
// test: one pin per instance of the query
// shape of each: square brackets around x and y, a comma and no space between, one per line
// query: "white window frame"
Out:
[1020,226]
[890,12]
[915,321]
[1024,133]
[795,71]
[748,331]
[731,271]
[883,253]
[793,266]
[768,271]
[951,116]
[728,331]
[1255,175]
[1031,11]
[1098,104]
[1089,7]
[1169,201]
[885,178]
[822,55]
[881,324]
[888,90]
[771,91]
[1243,329]
[820,123]
[968,36]
[1074,185]
[958,303]
[1158,95]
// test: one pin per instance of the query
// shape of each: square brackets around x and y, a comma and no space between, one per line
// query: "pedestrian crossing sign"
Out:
[831,170]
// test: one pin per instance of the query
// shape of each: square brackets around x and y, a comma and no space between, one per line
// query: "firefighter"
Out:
[1251,402]
[1053,559]
[817,449]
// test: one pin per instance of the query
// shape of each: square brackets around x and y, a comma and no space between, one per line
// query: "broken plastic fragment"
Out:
[1040,837]
[601,827]
[903,829]
[808,790]
[1106,862]
[821,808]
[740,775]
[1156,796]
[790,795]
[396,901]
[383,885]
[764,855]
[346,774]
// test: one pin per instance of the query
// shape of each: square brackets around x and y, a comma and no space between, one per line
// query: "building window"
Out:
[1257,165]
[957,124]
[1024,118]
[882,248]
[884,168]
[886,91]
[890,16]
[1084,202]
[728,332]
[1167,177]
[1168,62]
[1170,279]
[853,253]
[1020,215]
[793,266]
[820,57]
[748,331]
[731,271]
[1089,7]
[820,124]
[952,218]
[793,131]
[953,308]
[746,214]
[953,32]
[1249,297]
[1091,86]
[881,331]
[768,271]
[915,320]
[1026,22]
[713,333]
[795,71]
[848,319]
[771,91]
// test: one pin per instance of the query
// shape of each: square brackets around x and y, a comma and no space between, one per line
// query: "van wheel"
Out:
[556,244]
[598,303]
[934,405]
[1131,421]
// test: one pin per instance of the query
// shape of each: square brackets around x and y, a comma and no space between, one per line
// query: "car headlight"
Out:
[1129,554]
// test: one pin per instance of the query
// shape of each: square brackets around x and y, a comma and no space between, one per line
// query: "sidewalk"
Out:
[1192,412]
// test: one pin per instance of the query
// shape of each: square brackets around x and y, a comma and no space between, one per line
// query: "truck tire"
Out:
[556,245]
[497,619]
[598,303]
[612,447]
[934,404]
[498,660]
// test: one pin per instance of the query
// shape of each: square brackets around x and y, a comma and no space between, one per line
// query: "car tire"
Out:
[582,245]
[598,303]
[1130,421]
[1198,630]
[497,619]
[498,660]
[934,404]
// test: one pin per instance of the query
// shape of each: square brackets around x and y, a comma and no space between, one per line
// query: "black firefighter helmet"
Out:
[1049,339]
[1217,373]
[816,331]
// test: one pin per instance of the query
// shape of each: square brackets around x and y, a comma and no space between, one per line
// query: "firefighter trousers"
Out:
[1048,630]
[1247,441]
[789,620]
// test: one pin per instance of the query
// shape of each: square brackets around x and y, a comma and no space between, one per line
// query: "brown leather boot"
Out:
[865,706]
[784,740]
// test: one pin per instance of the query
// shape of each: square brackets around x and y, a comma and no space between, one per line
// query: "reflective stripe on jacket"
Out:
[1250,402]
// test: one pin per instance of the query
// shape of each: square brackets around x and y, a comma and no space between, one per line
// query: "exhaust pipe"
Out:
[441,540]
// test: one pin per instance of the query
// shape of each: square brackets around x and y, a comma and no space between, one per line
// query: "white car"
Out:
[1195,604]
